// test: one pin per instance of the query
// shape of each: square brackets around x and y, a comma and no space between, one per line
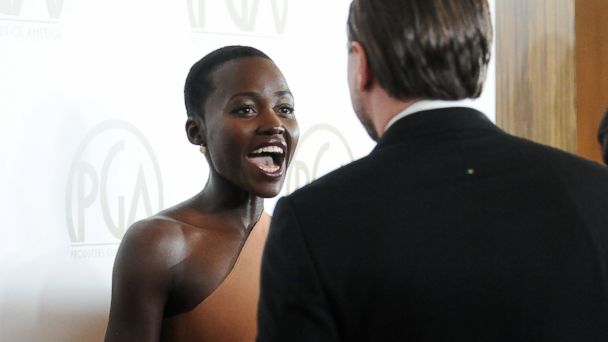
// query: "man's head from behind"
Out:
[418,49]
[602,136]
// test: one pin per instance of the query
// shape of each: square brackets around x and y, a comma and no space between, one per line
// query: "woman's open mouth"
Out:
[269,158]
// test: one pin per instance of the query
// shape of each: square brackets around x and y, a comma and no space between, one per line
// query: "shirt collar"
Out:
[423,105]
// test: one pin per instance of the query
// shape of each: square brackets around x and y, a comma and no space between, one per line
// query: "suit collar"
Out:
[424,105]
[434,122]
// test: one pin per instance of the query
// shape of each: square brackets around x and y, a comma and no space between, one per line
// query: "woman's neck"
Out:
[219,197]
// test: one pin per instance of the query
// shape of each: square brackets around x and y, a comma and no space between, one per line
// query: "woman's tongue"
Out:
[265,163]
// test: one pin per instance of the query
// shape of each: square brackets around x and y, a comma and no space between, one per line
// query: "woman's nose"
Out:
[274,129]
[271,125]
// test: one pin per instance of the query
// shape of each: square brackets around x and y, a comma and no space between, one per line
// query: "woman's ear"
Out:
[363,77]
[195,129]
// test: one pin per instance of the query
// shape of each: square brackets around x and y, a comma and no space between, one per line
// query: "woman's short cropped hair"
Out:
[199,82]
[433,49]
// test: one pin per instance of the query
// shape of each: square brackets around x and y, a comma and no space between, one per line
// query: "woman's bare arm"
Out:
[141,281]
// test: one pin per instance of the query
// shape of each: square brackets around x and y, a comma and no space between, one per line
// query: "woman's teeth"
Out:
[267,158]
[268,149]
[271,169]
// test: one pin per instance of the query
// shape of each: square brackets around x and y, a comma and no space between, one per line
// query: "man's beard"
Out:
[369,127]
[365,119]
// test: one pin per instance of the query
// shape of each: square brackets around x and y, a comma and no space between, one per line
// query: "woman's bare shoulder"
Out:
[158,242]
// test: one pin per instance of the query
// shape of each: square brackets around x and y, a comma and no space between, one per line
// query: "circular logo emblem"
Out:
[320,150]
[114,180]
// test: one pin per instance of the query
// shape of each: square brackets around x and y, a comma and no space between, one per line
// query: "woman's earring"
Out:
[203,149]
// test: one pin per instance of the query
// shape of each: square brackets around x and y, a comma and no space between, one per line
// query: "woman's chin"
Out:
[268,194]
[269,190]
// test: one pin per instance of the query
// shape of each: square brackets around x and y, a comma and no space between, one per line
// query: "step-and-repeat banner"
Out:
[92,133]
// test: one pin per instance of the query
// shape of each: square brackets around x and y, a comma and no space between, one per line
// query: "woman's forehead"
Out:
[248,75]
[253,77]
[247,69]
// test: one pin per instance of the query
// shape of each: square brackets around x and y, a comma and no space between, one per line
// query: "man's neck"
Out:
[383,108]
[422,105]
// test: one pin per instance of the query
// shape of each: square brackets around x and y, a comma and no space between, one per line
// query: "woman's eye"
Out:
[245,111]
[286,110]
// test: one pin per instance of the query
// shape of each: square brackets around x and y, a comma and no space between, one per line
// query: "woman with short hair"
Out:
[191,272]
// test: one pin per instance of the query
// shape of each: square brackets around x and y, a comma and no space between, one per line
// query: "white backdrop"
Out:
[92,133]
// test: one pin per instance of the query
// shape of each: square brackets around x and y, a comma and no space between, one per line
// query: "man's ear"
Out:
[364,76]
[195,129]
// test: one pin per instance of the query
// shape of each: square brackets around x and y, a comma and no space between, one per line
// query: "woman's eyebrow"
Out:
[254,94]
[246,94]
[281,93]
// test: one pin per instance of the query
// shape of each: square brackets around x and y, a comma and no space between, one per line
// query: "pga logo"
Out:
[32,9]
[248,16]
[114,180]
[321,149]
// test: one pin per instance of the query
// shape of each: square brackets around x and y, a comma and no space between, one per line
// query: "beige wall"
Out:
[591,73]
[535,70]
[552,71]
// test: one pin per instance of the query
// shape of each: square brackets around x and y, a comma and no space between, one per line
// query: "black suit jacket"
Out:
[449,230]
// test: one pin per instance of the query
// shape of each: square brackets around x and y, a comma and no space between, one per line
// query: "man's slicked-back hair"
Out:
[433,49]
[199,83]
